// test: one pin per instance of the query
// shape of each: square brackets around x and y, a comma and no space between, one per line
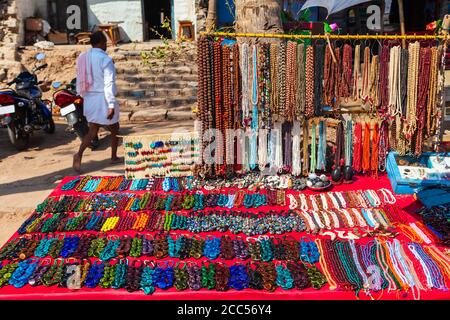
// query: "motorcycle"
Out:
[71,108]
[22,110]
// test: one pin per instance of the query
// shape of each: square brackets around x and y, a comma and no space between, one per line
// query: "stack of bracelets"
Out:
[168,233]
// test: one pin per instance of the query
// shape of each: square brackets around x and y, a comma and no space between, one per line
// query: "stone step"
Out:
[148,85]
[153,63]
[160,115]
[157,92]
[149,102]
[134,69]
[138,77]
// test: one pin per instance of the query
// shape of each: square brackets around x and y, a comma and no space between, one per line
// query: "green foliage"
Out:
[167,51]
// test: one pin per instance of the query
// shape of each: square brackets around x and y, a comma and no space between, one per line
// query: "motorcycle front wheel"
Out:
[19,140]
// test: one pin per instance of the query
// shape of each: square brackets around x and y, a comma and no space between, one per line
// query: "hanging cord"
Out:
[287,140]
[278,148]
[328,79]
[366,148]
[348,142]
[319,56]
[339,145]
[383,148]
[296,156]
[305,136]
[357,147]
[374,96]
[366,75]
[313,148]
[322,148]
[374,154]
[337,78]
[357,73]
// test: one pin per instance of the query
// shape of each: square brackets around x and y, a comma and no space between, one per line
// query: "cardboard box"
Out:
[58,38]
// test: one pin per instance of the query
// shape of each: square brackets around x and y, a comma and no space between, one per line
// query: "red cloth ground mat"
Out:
[407,204]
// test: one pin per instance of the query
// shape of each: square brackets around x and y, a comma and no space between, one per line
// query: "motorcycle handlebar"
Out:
[41,67]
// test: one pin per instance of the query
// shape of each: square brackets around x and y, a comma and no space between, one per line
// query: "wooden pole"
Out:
[401,13]
[211,17]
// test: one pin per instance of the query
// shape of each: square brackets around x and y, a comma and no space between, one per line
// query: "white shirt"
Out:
[102,94]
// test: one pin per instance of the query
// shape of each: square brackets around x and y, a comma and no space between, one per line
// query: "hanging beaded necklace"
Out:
[366,75]
[281,81]
[356,74]
[319,56]
[245,84]
[300,103]
[274,97]
[374,162]
[313,148]
[309,97]
[291,80]
[255,121]
[346,77]
[322,148]
[365,165]
[424,81]
[410,125]
[431,102]
[384,81]
[237,99]
[296,156]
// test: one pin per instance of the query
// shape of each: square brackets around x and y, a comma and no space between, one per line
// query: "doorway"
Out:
[155,13]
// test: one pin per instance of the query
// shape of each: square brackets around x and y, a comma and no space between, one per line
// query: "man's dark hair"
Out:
[98,38]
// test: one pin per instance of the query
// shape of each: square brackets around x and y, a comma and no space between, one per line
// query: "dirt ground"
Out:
[26,178]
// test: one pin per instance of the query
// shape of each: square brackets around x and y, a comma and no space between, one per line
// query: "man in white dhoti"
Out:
[96,83]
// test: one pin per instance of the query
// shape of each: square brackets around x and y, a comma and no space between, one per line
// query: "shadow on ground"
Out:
[48,181]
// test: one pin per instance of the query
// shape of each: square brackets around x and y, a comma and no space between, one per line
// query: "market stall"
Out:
[295,205]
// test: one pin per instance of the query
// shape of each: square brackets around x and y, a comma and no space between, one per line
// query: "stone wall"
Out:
[9,39]
[201,7]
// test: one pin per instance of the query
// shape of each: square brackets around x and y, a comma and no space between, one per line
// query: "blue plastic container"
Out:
[402,185]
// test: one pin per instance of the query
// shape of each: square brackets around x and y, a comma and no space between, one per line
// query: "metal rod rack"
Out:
[326,36]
